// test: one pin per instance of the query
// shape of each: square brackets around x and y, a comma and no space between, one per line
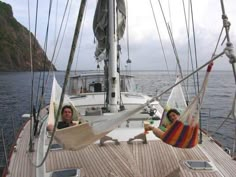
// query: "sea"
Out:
[16,99]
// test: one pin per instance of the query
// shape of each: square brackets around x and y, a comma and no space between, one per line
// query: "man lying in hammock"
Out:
[66,115]
[172,115]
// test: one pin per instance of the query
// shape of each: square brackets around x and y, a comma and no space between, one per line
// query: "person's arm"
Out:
[156,131]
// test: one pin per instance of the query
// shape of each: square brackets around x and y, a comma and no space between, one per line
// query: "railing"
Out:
[7,130]
[222,129]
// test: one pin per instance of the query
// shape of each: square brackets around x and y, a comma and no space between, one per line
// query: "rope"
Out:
[196,61]
[171,26]
[173,46]
[189,45]
[231,113]
[32,84]
[54,51]
[127,29]
[56,16]
[186,77]
[44,66]
[76,34]
[63,35]
[80,40]
[195,51]
[158,31]
[228,116]
[225,21]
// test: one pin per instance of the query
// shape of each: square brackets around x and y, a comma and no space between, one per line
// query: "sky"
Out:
[145,49]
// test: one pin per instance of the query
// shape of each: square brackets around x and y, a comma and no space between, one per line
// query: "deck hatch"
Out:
[198,165]
[66,173]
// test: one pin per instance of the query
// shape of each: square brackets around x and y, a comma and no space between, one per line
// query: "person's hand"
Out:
[149,127]
[50,127]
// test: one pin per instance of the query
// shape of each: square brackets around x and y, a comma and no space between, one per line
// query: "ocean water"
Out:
[15,99]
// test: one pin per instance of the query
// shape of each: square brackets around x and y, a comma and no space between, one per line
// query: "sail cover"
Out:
[100,23]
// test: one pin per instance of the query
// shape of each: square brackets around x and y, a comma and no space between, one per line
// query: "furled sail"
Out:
[80,135]
[100,23]
[183,133]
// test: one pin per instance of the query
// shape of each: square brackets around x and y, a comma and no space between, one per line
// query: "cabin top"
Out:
[96,82]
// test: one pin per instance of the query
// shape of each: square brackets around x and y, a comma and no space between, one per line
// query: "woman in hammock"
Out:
[172,115]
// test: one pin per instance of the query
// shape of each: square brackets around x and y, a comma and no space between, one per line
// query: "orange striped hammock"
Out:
[183,133]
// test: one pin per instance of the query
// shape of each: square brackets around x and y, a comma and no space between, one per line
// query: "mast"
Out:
[113,80]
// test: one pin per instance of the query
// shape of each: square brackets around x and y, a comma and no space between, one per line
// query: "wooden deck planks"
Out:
[223,162]
[130,160]
[20,163]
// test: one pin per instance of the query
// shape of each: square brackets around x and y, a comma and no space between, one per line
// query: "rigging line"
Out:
[188,61]
[32,84]
[195,46]
[36,22]
[225,21]
[189,44]
[45,58]
[171,25]
[234,116]
[72,52]
[165,21]
[54,51]
[171,37]
[127,29]
[46,42]
[186,77]
[217,44]
[178,61]
[158,31]
[196,63]
[230,51]
[80,38]
[55,37]
[228,116]
[218,41]
[63,35]
[35,34]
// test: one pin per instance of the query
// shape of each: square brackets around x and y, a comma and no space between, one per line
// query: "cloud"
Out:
[145,48]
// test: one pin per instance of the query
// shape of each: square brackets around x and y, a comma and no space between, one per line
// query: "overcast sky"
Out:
[144,43]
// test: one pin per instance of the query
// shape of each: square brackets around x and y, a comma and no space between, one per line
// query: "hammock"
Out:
[79,136]
[183,133]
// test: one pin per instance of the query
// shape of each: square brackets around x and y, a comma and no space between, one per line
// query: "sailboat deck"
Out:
[137,159]
[20,163]
[127,160]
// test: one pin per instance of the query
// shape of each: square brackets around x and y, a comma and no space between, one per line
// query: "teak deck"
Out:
[127,160]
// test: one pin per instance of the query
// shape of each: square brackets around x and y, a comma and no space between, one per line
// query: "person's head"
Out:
[67,113]
[172,115]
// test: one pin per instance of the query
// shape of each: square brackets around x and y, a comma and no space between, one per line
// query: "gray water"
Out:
[15,99]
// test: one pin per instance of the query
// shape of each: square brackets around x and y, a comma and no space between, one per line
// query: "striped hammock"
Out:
[183,133]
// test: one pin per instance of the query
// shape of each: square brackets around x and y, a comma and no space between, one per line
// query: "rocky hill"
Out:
[14,45]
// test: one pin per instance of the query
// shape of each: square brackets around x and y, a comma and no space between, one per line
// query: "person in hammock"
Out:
[172,116]
[66,115]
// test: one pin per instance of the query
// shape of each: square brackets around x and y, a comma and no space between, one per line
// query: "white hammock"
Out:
[81,135]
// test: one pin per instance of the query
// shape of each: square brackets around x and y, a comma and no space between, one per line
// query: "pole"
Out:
[112,70]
